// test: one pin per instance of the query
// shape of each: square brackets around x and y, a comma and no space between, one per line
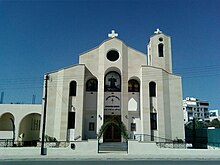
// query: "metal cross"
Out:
[113,34]
[158,31]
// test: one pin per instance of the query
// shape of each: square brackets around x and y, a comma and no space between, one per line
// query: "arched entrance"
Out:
[112,111]
[7,129]
[112,132]
[113,129]
[29,130]
[6,122]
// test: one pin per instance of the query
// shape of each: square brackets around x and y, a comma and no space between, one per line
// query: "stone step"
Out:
[117,146]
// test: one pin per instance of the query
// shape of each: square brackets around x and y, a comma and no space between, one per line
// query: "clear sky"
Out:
[42,36]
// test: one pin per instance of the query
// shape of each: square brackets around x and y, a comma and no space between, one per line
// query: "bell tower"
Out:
[159,51]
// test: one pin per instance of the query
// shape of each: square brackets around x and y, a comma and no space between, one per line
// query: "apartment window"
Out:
[188,108]
[190,114]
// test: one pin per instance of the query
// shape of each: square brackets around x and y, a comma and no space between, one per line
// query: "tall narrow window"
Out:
[160,50]
[92,85]
[153,121]
[152,89]
[133,86]
[133,126]
[71,120]
[72,88]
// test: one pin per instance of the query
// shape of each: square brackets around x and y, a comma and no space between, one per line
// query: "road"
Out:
[106,162]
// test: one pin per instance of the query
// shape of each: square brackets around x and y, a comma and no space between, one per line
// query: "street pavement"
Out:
[111,162]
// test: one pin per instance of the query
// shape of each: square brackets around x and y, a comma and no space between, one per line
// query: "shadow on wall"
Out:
[29,130]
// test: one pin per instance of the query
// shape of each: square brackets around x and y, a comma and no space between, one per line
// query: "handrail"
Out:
[151,138]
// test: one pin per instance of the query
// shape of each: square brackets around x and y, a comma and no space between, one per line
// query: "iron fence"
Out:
[6,142]
[160,141]
[150,138]
[57,144]
[171,145]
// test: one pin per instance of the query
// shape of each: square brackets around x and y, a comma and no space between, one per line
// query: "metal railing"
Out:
[33,143]
[150,138]
[57,144]
[6,142]
[160,141]
[171,144]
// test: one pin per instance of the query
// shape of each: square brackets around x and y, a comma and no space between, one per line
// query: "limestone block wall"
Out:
[57,109]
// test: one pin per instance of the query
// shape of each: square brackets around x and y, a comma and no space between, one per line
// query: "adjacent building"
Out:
[19,124]
[195,108]
[114,83]
[214,114]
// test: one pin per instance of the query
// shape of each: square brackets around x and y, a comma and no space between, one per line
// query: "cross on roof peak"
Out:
[113,34]
[158,31]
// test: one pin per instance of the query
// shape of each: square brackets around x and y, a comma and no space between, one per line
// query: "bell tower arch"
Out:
[159,51]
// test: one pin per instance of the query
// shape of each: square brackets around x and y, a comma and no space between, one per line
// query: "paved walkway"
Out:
[109,157]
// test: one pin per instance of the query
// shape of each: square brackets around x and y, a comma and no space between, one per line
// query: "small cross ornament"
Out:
[113,34]
[158,31]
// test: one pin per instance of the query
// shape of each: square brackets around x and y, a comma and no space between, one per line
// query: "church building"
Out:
[115,82]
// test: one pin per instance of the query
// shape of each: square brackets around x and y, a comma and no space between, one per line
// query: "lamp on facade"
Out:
[100,117]
[73,108]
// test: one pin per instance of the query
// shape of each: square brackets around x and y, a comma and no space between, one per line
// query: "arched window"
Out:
[72,88]
[160,50]
[113,82]
[71,120]
[133,86]
[92,85]
[153,121]
[152,89]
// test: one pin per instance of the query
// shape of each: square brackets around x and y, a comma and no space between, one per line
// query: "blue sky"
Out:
[42,36]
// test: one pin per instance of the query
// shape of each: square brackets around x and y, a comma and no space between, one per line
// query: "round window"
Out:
[112,55]
[160,39]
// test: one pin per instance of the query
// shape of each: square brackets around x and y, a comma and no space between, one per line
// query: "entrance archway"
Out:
[113,129]
[29,129]
[6,123]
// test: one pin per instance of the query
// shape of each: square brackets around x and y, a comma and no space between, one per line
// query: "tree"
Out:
[198,124]
[215,123]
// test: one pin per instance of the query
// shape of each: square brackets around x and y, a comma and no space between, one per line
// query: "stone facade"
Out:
[114,82]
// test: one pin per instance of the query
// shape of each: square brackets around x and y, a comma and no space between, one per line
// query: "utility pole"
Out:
[43,150]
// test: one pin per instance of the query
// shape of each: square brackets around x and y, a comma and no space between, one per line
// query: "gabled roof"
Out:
[108,39]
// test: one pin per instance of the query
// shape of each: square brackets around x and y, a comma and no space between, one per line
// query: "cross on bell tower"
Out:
[158,31]
[113,34]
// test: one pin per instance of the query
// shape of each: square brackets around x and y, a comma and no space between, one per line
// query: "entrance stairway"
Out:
[113,146]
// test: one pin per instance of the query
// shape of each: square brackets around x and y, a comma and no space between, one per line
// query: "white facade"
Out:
[214,114]
[115,82]
[195,108]
[20,122]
